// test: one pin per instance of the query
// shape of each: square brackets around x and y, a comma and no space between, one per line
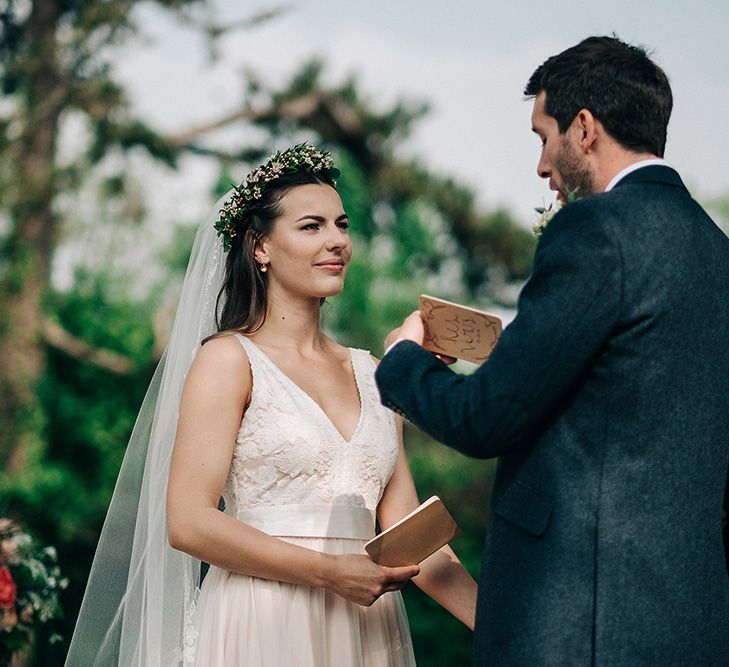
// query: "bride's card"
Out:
[458,331]
[415,537]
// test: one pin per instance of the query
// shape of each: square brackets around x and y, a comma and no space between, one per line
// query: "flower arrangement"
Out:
[30,586]
[302,157]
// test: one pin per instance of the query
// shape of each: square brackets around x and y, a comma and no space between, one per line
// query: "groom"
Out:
[606,399]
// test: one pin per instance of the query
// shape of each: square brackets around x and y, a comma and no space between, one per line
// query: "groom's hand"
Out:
[412,329]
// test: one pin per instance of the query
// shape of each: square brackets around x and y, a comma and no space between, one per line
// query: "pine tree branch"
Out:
[296,109]
[58,338]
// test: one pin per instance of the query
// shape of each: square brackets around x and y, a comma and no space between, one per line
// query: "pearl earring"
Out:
[264,268]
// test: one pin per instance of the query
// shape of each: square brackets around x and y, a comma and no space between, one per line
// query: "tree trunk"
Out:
[29,248]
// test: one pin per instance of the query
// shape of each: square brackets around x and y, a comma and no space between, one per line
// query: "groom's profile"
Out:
[607,397]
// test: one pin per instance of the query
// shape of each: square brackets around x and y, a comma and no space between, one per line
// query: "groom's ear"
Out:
[587,128]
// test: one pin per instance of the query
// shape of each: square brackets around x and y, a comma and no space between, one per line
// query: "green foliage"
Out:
[90,414]
[464,485]
[719,208]
[126,135]
[177,254]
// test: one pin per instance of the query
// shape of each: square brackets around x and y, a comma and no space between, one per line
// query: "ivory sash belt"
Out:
[312,521]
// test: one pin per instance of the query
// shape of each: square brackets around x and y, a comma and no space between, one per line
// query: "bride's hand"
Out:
[360,580]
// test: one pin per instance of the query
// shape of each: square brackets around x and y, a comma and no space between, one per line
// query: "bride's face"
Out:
[309,249]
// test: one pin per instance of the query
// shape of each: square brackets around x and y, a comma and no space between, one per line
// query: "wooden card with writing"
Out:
[458,331]
[412,539]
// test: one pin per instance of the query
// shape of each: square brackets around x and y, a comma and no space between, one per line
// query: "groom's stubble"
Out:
[575,173]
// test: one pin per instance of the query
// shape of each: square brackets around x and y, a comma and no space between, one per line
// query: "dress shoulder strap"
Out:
[259,368]
[364,367]
[244,342]
[364,360]
[268,379]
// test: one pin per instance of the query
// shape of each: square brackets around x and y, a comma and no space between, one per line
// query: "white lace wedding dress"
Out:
[294,476]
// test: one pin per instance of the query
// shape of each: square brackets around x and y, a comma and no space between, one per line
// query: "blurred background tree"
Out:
[76,359]
[719,208]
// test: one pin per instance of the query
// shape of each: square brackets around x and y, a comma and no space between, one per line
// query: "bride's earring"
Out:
[264,268]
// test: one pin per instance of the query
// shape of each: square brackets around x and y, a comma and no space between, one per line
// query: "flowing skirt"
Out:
[246,621]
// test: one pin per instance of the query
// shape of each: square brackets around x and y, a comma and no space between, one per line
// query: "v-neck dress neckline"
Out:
[320,410]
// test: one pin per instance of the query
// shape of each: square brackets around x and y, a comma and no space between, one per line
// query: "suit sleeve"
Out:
[725,524]
[566,313]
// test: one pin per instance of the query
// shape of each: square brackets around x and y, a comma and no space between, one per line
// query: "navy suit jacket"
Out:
[607,401]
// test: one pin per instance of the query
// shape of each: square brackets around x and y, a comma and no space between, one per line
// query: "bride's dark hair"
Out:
[244,294]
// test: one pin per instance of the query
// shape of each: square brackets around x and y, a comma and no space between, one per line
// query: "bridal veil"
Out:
[141,591]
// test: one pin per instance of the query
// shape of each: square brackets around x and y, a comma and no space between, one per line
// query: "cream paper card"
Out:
[458,331]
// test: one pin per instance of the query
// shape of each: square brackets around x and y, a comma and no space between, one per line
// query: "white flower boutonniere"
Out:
[547,213]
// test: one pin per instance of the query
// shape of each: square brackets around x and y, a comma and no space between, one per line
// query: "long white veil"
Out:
[140,591]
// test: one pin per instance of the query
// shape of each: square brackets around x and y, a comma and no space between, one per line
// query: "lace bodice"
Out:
[289,452]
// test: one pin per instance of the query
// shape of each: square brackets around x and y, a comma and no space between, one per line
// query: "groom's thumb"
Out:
[412,328]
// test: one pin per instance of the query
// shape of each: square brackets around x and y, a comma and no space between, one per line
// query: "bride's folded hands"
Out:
[359,579]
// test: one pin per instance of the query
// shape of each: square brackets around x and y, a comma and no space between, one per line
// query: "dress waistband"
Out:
[312,521]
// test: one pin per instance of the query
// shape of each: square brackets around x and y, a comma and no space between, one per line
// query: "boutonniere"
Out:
[547,213]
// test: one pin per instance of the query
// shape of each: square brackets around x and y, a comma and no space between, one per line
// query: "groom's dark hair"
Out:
[617,82]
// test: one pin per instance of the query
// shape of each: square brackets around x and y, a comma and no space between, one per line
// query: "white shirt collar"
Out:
[633,167]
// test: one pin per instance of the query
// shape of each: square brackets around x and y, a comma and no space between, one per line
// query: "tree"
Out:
[52,65]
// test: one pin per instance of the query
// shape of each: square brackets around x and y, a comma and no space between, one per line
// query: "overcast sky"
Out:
[469,60]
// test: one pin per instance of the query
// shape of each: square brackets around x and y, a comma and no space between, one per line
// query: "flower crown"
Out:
[302,157]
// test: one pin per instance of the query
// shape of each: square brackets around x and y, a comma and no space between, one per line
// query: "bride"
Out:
[285,426]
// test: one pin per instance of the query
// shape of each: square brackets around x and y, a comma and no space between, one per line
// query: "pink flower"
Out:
[7,589]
